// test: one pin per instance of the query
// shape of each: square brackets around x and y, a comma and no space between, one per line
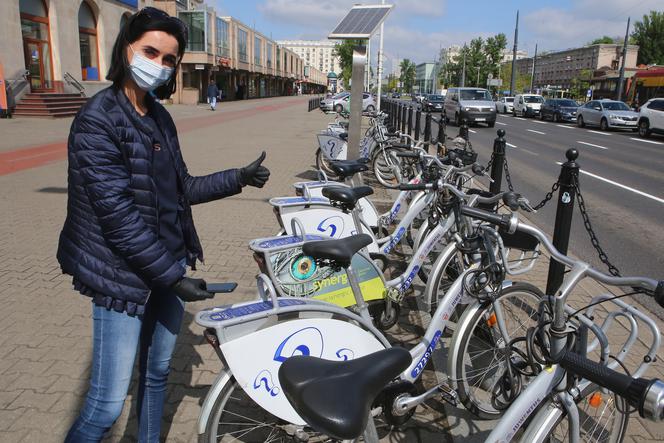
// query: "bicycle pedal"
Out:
[449,395]
[395,295]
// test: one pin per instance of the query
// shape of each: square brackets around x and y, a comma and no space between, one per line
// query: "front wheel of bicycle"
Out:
[384,165]
[480,356]
[235,417]
[602,419]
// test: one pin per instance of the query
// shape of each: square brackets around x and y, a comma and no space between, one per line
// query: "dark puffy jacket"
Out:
[110,240]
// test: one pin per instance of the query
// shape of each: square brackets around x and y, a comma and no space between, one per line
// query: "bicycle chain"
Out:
[589,228]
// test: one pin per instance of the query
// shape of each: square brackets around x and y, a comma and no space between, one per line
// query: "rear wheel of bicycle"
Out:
[322,164]
[384,163]
[481,364]
[235,417]
[600,419]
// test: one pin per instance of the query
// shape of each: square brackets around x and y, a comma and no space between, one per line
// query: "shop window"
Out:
[87,37]
[196,23]
[222,38]
[242,45]
[269,55]
[258,49]
[36,44]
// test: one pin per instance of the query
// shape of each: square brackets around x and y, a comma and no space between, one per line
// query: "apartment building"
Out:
[558,69]
[317,54]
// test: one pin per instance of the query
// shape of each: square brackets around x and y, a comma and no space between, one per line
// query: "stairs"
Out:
[49,105]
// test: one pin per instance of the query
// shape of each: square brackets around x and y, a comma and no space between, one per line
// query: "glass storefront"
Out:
[36,44]
[196,22]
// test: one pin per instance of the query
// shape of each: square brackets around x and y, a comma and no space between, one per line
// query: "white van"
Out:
[527,105]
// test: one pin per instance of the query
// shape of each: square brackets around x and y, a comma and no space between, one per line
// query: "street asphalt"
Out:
[621,181]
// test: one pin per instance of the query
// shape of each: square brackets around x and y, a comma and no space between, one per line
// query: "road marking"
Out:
[645,141]
[636,191]
[529,151]
[510,145]
[597,132]
[590,144]
[536,132]
[474,132]
[519,118]
[501,123]
[565,126]
[540,122]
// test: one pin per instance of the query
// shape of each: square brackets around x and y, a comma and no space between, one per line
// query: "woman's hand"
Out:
[255,174]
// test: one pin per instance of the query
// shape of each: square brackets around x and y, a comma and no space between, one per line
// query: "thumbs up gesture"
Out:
[255,174]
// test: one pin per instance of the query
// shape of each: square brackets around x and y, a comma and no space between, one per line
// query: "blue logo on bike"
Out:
[406,284]
[394,213]
[417,370]
[331,225]
[395,240]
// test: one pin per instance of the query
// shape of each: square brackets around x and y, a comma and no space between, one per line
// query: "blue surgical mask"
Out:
[147,74]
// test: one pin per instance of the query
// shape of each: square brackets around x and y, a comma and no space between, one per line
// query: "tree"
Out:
[522,82]
[580,84]
[482,58]
[603,40]
[344,51]
[649,35]
[392,82]
[407,78]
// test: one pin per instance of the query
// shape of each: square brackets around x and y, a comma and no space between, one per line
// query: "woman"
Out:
[129,230]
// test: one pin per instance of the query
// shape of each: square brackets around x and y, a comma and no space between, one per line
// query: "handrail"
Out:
[73,82]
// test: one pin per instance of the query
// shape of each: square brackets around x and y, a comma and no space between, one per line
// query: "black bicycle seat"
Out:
[335,397]
[347,196]
[348,168]
[343,136]
[340,251]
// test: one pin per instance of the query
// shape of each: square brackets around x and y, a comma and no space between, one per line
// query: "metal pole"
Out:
[441,131]
[516,42]
[621,78]
[355,121]
[404,110]
[410,121]
[497,162]
[563,223]
[398,116]
[418,116]
[463,129]
[427,127]
[463,72]
[380,63]
[532,75]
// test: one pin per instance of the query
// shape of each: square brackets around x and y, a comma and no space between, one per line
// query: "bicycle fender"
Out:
[215,390]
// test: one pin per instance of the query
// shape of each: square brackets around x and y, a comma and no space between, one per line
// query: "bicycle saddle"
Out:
[348,168]
[340,251]
[334,397]
[345,195]
[343,136]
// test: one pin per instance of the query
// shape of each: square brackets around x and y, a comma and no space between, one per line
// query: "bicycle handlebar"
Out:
[647,395]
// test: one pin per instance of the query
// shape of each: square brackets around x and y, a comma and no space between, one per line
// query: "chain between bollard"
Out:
[508,178]
[548,196]
[589,228]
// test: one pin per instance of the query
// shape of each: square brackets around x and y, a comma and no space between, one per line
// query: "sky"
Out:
[416,29]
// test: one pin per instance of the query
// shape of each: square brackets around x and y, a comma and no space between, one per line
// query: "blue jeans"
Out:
[116,336]
[213,102]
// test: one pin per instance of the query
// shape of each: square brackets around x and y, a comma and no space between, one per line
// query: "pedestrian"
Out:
[212,93]
[129,232]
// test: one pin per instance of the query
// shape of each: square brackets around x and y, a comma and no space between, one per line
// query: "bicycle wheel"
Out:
[235,417]
[384,165]
[479,362]
[323,165]
[600,419]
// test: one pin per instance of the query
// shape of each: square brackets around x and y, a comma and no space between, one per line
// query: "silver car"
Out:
[329,104]
[368,103]
[505,105]
[607,114]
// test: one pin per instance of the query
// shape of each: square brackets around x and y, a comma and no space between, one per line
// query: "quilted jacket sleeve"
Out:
[106,181]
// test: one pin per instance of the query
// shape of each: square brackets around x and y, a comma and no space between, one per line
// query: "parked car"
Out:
[396,95]
[651,117]
[433,103]
[329,104]
[607,114]
[505,105]
[559,110]
[417,97]
[472,104]
[527,105]
[368,103]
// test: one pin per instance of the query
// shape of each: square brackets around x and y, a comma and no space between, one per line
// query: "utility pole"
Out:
[516,42]
[463,72]
[532,74]
[621,78]
[380,64]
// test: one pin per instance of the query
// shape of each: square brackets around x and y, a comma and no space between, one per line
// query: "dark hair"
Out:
[147,19]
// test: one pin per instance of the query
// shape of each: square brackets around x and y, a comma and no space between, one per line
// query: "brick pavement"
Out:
[45,328]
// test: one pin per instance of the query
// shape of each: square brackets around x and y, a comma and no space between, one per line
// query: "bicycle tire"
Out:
[322,165]
[246,425]
[553,416]
[382,168]
[479,348]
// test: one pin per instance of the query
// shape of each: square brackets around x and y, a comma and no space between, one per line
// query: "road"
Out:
[622,181]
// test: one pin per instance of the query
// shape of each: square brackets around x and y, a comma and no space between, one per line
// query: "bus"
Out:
[646,84]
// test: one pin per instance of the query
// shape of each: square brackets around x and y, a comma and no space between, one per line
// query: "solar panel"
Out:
[361,22]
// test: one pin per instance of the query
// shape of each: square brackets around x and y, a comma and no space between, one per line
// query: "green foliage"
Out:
[482,58]
[603,40]
[408,71]
[579,85]
[649,35]
[344,51]
[522,82]
[392,82]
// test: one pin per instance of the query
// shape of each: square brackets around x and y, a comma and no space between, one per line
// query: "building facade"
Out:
[557,70]
[425,78]
[317,54]
[55,46]
[508,55]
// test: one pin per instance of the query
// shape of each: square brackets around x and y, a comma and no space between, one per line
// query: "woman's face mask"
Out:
[147,74]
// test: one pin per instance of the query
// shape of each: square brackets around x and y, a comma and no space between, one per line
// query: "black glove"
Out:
[255,174]
[191,289]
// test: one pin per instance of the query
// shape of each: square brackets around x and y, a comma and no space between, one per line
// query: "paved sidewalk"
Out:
[45,327]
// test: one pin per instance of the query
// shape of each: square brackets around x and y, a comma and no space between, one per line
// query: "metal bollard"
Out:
[497,164]
[410,121]
[398,119]
[441,131]
[404,110]
[563,223]
[463,129]
[427,127]
[418,129]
